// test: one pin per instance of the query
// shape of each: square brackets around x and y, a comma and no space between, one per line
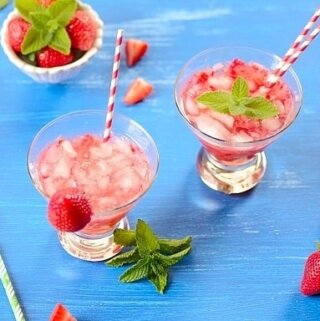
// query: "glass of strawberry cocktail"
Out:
[224,96]
[69,154]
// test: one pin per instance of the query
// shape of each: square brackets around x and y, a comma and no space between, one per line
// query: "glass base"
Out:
[95,249]
[230,179]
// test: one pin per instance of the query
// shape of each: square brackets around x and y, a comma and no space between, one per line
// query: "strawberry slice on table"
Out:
[61,313]
[17,30]
[69,210]
[310,284]
[135,49]
[137,91]
[49,58]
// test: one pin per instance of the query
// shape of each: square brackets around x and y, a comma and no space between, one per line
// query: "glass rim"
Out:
[97,111]
[253,49]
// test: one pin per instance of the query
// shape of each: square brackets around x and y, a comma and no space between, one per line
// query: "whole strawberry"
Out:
[17,29]
[310,284]
[69,210]
[48,58]
[82,31]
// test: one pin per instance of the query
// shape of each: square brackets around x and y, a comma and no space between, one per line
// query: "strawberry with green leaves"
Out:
[44,33]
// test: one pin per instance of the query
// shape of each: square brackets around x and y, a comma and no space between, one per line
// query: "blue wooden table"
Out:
[248,250]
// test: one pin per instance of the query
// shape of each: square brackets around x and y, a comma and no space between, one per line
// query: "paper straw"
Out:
[113,86]
[298,52]
[294,52]
[6,282]
[298,41]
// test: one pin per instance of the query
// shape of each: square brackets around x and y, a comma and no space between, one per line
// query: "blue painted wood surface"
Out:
[248,251]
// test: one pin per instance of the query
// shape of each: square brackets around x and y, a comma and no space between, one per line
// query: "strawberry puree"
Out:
[112,174]
[232,130]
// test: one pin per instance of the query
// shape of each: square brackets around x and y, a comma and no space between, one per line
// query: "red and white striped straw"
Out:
[300,44]
[113,86]
[298,40]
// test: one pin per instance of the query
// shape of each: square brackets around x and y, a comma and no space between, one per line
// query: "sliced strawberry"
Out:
[61,313]
[48,58]
[69,210]
[135,50]
[82,30]
[138,90]
[17,30]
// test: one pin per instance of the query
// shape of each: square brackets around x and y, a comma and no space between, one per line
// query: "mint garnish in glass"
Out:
[238,102]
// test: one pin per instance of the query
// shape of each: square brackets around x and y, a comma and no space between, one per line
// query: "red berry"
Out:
[82,30]
[202,78]
[61,313]
[138,90]
[69,210]
[135,50]
[17,30]
[48,58]
[310,284]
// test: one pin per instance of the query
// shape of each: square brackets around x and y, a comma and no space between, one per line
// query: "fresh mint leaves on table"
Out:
[48,25]
[3,3]
[237,102]
[151,256]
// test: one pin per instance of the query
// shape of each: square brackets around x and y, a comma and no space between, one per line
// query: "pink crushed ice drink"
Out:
[232,158]
[114,174]
[110,173]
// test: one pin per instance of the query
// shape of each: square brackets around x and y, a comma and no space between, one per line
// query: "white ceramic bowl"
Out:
[55,74]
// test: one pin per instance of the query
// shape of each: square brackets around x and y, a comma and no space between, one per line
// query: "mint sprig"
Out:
[48,25]
[238,102]
[152,256]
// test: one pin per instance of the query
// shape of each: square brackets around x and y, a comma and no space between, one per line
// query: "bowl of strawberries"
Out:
[51,40]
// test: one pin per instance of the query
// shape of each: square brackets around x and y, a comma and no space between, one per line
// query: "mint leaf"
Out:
[168,260]
[168,247]
[237,109]
[62,11]
[216,100]
[157,267]
[260,108]
[152,256]
[137,271]
[124,237]
[61,41]
[34,41]
[25,7]
[240,89]
[238,102]
[3,3]
[39,20]
[32,57]
[132,256]
[160,281]
[147,242]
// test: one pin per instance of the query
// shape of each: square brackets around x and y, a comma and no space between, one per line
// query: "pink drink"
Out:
[112,174]
[235,131]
